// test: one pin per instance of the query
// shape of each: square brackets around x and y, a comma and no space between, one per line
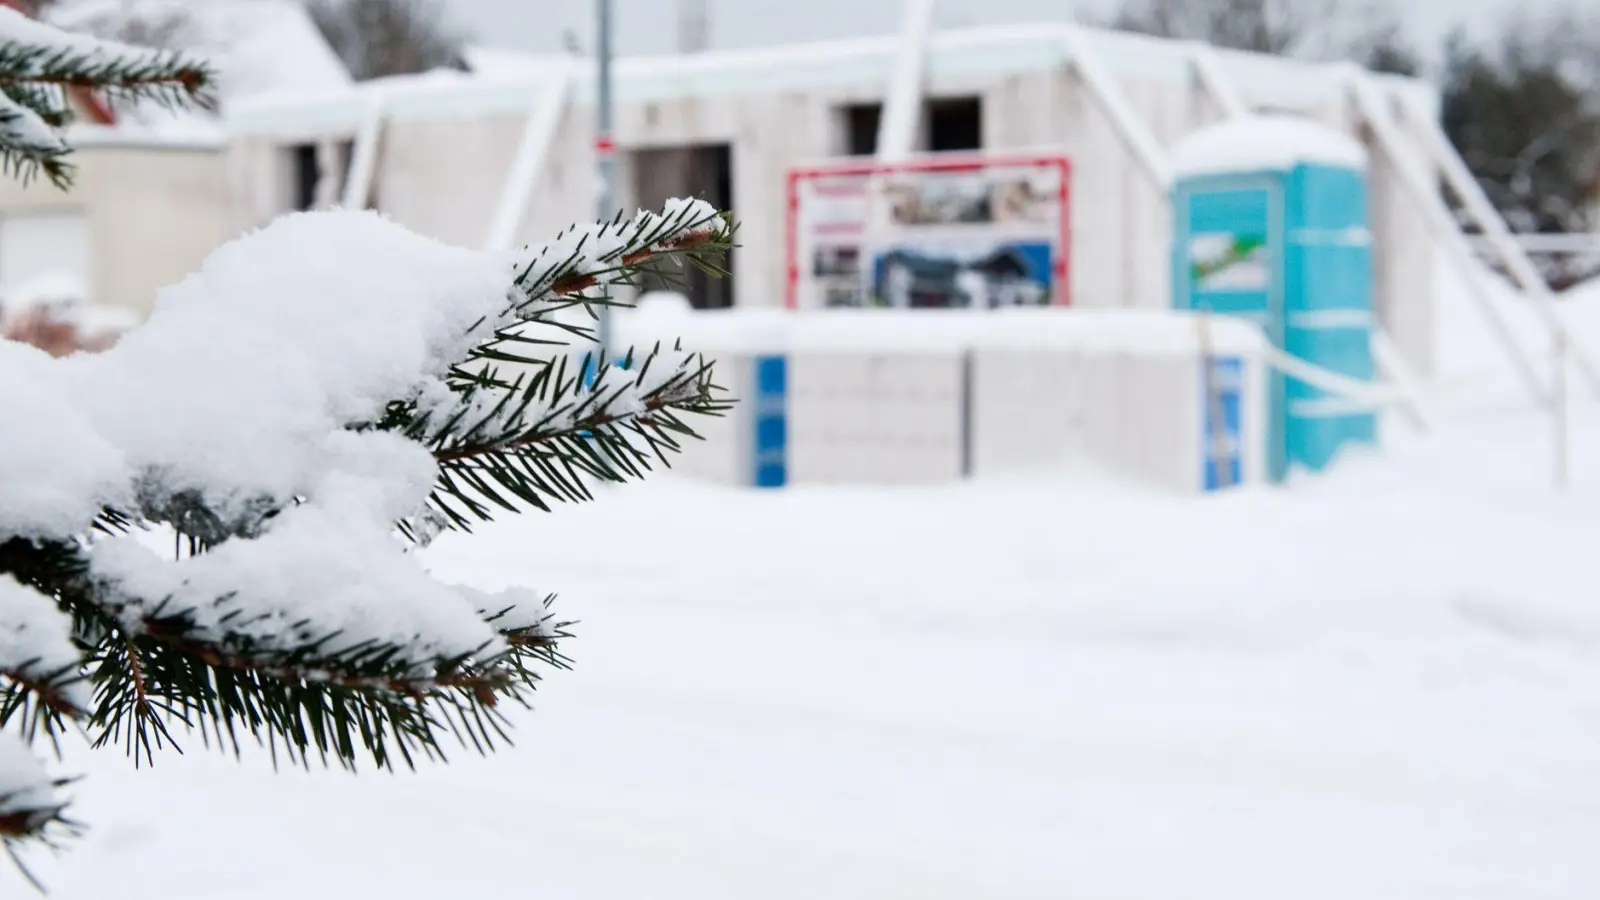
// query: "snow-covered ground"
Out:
[1384,685]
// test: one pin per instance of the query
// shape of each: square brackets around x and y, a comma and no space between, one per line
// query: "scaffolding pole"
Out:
[364,155]
[1208,71]
[538,135]
[902,106]
[1511,253]
[1415,179]
[1103,87]
[605,148]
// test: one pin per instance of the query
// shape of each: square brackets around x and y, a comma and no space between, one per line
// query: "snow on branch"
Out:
[32,51]
[40,676]
[36,651]
[317,392]
[32,143]
[582,257]
[577,269]
[31,805]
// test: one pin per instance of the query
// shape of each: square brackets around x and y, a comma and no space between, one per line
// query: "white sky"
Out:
[649,26]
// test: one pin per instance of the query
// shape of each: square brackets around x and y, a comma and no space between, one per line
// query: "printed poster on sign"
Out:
[980,237]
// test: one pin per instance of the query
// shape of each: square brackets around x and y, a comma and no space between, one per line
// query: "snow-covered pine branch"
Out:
[39,64]
[43,676]
[497,445]
[540,431]
[310,393]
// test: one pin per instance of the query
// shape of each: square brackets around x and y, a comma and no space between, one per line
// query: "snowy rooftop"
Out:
[955,59]
[497,63]
[256,46]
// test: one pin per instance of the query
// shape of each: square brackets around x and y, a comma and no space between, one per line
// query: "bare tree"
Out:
[1524,111]
[377,38]
[1303,28]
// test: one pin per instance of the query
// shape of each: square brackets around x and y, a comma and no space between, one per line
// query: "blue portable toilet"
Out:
[1271,224]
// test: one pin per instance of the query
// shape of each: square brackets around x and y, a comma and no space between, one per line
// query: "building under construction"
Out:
[496,158]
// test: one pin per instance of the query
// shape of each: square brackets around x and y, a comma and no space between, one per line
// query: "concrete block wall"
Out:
[1027,408]
[886,419]
[883,419]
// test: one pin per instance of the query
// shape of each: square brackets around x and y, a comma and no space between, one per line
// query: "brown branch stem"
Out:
[482,685]
[572,284]
[48,695]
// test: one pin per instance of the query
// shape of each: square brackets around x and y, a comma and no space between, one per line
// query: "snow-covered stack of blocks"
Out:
[897,397]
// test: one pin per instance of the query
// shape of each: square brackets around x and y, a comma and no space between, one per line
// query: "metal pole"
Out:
[604,146]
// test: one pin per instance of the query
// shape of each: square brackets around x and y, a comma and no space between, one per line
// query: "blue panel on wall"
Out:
[1222,399]
[770,422]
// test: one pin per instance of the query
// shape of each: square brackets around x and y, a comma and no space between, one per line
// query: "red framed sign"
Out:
[947,230]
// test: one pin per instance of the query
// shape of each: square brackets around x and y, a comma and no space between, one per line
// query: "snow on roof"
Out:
[956,60]
[256,46]
[1271,142]
[499,63]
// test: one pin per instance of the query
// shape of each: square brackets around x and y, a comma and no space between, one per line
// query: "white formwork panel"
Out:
[879,418]
[1172,415]
[1165,403]
[826,414]
[1026,409]
[1135,420]
[1101,408]
[1131,415]
[725,453]
[1143,414]
[918,416]
[1163,432]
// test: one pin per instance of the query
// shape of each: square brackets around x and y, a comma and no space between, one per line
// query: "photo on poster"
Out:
[836,260]
[836,274]
[1225,261]
[976,198]
[971,275]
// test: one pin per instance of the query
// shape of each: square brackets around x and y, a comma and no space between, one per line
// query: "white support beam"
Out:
[1511,253]
[1103,86]
[902,106]
[1585,242]
[364,154]
[538,134]
[1208,71]
[1380,119]
[1360,395]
